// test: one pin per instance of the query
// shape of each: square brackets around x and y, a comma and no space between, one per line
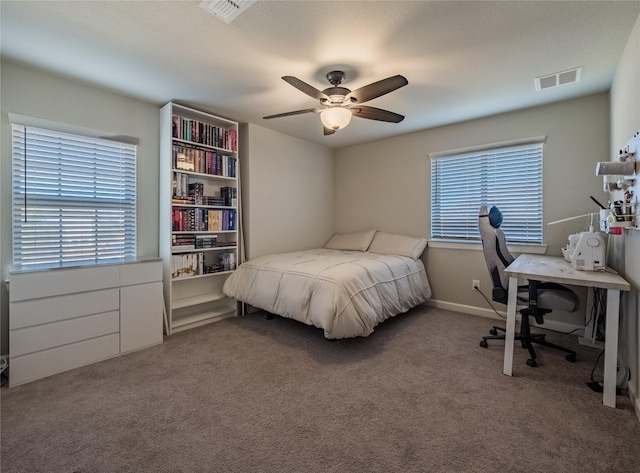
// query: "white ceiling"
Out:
[463,60]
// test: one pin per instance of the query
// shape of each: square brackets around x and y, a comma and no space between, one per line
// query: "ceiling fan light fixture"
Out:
[335,118]
[339,104]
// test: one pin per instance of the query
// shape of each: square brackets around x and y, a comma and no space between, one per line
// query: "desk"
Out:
[556,269]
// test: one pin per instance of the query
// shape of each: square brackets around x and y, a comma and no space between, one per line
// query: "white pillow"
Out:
[357,241]
[402,245]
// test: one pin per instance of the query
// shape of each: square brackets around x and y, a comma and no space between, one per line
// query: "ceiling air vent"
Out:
[558,78]
[226,10]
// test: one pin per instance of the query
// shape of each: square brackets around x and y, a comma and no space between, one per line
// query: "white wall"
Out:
[386,185]
[289,187]
[40,95]
[287,192]
[625,122]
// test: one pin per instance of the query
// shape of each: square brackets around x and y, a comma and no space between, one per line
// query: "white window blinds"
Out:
[74,199]
[509,177]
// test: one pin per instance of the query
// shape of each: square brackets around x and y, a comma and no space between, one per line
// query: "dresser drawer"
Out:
[42,337]
[54,309]
[55,282]
[56,360]
[140,273]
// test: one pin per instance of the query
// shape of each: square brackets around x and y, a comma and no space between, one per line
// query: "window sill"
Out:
[477,246]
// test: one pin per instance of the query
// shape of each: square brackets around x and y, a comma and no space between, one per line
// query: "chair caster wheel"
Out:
[484,344]
[532,363]
[493,331]
[571,357]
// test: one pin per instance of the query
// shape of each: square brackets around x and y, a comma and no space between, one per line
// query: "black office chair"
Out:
[540,298]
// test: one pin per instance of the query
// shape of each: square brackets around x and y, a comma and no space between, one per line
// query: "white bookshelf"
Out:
[198,150]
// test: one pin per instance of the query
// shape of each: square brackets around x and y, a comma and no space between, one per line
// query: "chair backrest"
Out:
[496,253]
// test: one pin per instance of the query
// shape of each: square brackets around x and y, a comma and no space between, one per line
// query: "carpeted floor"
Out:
[255,395]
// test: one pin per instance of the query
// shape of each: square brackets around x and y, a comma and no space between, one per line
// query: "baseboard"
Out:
[466,309]
[556,325]
[635,399]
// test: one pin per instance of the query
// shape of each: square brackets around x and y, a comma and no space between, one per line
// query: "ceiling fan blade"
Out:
[295,112]
[328,131]
[373,113]
[372,91]
[304,87]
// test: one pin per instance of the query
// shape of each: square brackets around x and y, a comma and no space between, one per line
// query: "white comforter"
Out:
[346,293]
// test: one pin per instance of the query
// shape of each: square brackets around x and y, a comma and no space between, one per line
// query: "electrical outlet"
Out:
[475,284]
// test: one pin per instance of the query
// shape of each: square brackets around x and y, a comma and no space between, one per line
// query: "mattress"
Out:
[345,293]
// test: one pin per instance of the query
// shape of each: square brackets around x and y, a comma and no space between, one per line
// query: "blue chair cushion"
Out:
[495,217]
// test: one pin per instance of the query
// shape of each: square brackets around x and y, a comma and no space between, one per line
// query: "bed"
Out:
[346,288]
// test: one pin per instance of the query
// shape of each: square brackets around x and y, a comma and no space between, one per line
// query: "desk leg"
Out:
[511,326]
[611,348]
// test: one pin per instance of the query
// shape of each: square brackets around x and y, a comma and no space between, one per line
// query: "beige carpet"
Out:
[255,395]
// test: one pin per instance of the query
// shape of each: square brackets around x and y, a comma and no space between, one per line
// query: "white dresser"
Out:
[65,318]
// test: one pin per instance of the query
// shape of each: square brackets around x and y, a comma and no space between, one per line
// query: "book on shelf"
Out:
[192,193]
[183,160]
[204,133]
[199,220]
[230,196]
[206,241]
[183,242]
[214,219]
[204,161]
[189,265]
[186,265]
[180,200]
[196,191]
[227,261]
[213,200]
[181,186]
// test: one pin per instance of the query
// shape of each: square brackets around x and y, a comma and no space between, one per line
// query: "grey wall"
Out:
[287,192]
[625,122]
[386,185]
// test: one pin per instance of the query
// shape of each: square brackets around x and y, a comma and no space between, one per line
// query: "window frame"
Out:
[454,215]
[104,214]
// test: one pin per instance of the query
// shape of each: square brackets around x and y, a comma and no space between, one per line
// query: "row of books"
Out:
[197,242]
[205,200]
[183,243]
[203,220]
[185,192]
[189,265]
[204,133]
[204,161]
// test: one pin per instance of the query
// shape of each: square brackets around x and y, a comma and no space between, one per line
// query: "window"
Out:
[508,176]
[74,199]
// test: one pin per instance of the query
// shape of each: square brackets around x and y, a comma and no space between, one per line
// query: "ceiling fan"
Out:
[339,104]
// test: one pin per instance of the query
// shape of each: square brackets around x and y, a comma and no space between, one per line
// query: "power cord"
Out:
[598,309]
[489,302]
[3,366]
[596,386]
[595,365]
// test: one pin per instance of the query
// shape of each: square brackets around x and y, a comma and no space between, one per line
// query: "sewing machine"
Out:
[586,250]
